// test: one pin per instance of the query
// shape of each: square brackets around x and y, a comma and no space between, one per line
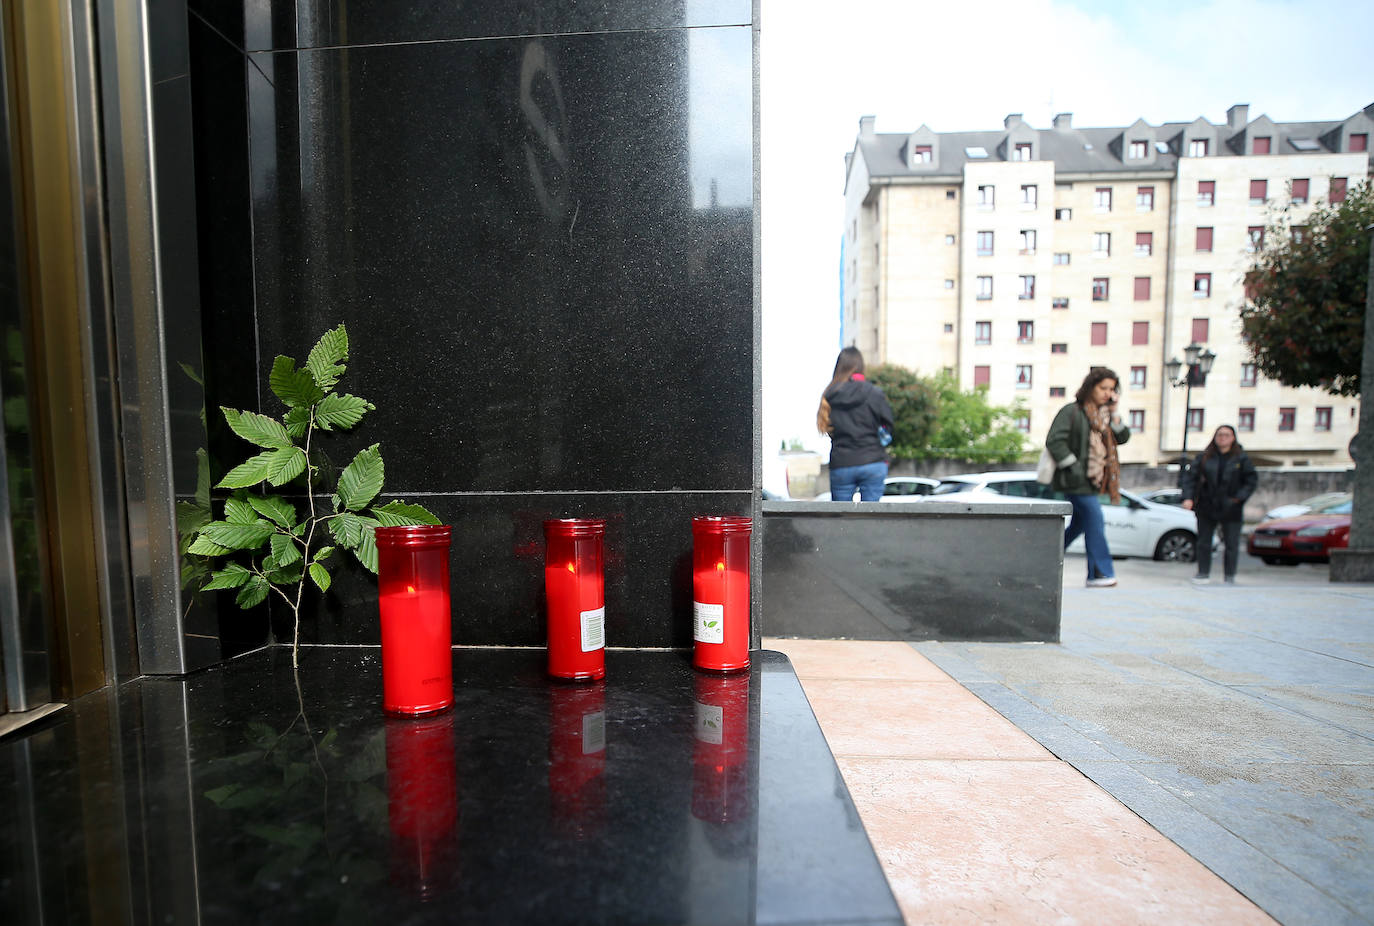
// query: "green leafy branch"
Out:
[263,544]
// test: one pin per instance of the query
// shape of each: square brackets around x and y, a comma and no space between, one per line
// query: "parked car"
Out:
[1316,503]
[900,489]
[1172,496]
[1307,538]
[1135,527]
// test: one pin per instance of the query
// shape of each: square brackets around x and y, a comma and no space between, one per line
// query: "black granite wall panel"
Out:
[542,246]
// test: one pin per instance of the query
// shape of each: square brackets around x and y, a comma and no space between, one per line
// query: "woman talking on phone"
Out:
[1083,441]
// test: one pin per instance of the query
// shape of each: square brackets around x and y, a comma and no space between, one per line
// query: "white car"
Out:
[900,489]
[1135,527]
[1316,503]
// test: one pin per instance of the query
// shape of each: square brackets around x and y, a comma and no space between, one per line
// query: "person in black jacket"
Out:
[1215,488]
[852,411]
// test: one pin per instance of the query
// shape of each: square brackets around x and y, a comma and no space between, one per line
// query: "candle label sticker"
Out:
[593,629]
[710,723]
[593,732]
[710,622]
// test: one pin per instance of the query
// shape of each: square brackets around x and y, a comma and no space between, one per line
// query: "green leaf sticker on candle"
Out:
[709,622]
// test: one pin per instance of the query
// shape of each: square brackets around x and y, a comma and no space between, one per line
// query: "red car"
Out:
[1305,538]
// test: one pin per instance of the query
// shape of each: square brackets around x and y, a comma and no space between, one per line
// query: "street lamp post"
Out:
[1182,373]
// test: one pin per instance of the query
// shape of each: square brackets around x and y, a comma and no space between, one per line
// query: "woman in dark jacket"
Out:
[1215,488]
[1082,439]
[851,412]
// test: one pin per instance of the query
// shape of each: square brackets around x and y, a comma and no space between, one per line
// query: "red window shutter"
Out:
[1099,337]
[1199,331]
[1261,145]
[1359,142]
[1142,288]
[1206,187]
[1337,194]
[1147,239]
[1299,189]
[982,376]
[1259,189]
[1204,239]
[1140,332]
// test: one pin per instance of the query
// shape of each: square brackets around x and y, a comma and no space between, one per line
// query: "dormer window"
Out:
[1138,149]
[923,154]
[1359,142]
[1022,152]
[1197,148]
[1260,145]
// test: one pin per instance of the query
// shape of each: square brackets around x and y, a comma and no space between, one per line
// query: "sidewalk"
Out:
[1238,722]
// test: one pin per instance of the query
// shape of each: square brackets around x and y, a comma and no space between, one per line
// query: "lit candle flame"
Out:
[410,589]
[572,567]
[720,566]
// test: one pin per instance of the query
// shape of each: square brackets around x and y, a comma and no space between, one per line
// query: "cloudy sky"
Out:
[964,67]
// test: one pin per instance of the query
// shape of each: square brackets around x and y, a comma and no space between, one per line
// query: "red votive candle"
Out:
[720,753]
[577,602]
[422,803]
[413,591]
[720,592]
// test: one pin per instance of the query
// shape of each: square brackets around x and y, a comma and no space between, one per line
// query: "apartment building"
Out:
[1019,258]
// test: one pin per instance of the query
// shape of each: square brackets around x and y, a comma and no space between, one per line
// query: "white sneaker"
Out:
[1102,582]
[1200,579]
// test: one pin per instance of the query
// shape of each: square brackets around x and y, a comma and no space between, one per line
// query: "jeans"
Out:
[868,479]
[1230,536]
[1087,520]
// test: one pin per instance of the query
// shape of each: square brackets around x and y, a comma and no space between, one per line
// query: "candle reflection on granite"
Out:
[577,758]
[422,804]
[720,752]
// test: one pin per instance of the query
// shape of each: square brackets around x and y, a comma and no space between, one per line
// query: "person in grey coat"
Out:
[1215,488]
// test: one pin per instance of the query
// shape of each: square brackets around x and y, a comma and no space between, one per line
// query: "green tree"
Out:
[1303,315]
[970,428]
[914,408]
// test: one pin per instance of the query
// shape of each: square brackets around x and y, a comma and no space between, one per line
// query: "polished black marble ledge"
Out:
[261,25]
[239,795]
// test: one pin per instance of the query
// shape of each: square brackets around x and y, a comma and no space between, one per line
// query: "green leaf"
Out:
[297,421]
[341,411]
[238,511]
[218,795]
[253,593]
[284,549]
[347,529]
[202,478]
[325,362]
[362,479]
[257,429]
[274,466]
[191,518]
[320,576]
[322,554]
[275,509]
[204,546]
[286,575]
[237,536]
[294,387]
[231,576]
[366,551]
[399,514]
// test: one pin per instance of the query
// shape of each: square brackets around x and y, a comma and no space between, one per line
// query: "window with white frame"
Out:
[1025,332]
[1197,147]
[1099,289]
[1144,199]
[1245,419]
[984,244]
[1059,302]
[1102,199]
[1288,418]
[923,155]
[982,332]
[1023,376]
[987,196]
[1022,151]
[1027,241]
[1254,237]
[1061,257]
[1138,149]
[1206,192]
[1322,418]
[985,287]
[1102,244]
[1063,214]
[1023,422]
[1137,377]
[1027,287]
[1249,374]
[1144,244]
[1202,285]
[1195,419]
[1137,420]
[1030,195]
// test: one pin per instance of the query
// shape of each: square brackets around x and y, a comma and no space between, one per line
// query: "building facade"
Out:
[1017,259]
